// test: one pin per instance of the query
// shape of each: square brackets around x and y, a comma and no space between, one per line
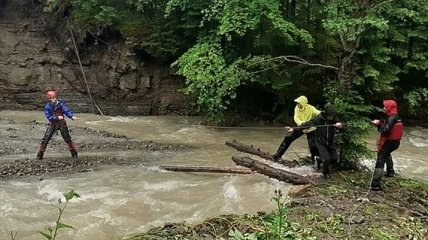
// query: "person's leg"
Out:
[382,156]
[288,139]
[392,146]
[67,138]
[333,157]
[325,156]
[312,146]
[50,130]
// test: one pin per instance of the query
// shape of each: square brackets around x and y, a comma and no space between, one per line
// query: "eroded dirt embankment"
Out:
[20,142]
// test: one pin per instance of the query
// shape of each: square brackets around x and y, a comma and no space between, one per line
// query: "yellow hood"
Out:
[302,100]
[306,113]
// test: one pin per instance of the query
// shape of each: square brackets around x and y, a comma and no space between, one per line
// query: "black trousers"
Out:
[328,156]
[51,130]
[384,155]
[288,139]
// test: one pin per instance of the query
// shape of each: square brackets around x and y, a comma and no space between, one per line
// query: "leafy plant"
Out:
[417,99]
[51,232]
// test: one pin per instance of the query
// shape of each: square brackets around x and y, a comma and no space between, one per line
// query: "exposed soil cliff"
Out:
[35,57]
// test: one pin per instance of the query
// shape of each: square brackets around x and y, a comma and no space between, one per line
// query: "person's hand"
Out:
[289,129]
[73,118]
[338,125]
[376,122]
[60,117]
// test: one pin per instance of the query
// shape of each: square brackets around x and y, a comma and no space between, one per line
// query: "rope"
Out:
[83,72]
[359,205]
[263,128]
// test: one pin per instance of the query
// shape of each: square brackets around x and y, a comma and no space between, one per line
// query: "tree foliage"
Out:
[353,51]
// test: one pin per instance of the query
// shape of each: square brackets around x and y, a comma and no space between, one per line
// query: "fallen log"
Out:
[265,169]
[207,169]
[256,151]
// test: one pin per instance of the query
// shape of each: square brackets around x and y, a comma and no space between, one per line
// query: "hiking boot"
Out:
[377,176]
[375,187]
[390,173]
[74,154]
[39,156]
[276,158]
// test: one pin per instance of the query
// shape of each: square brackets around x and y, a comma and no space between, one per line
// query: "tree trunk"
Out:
[280,174]
[251,150]
[206,169]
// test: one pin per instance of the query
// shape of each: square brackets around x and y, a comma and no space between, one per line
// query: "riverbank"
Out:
[341,208]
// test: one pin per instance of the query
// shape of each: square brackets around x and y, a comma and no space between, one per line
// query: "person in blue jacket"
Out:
[55,110]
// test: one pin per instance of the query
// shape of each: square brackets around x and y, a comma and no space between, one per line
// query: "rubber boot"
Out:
[276,157]
[73,154]
[72,149]
[41,152]
[389,167]
[377,177]
[390,173]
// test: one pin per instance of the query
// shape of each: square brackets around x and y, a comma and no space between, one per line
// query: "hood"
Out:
[390,107]
[302,100]
[329,113]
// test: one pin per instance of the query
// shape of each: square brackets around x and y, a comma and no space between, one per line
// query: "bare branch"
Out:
[296,59]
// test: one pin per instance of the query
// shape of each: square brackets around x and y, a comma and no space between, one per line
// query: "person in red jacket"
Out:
[391,131]
[55,110]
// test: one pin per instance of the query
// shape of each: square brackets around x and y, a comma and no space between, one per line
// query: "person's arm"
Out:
[315,112]
[305,125]
[297,116]
[389,123]
[67,111]
[49,113]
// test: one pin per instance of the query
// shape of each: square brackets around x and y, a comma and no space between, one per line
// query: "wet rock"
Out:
[358,219]
[299,190]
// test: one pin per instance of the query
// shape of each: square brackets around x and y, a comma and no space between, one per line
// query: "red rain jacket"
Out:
[392,128]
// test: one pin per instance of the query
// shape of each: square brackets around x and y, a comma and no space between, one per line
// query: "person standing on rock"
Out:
[391,132]
[303,112]
[55,110]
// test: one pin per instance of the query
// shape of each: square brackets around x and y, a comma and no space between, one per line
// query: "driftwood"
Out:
[207,169]
[272,172]
[256,151]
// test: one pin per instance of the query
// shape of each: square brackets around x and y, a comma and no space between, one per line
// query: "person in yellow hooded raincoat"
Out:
[303,112]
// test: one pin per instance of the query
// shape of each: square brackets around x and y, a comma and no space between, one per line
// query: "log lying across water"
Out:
[256,151]
[207,169]
[272,172]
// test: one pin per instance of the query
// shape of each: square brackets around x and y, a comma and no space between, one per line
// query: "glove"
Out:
[376,122]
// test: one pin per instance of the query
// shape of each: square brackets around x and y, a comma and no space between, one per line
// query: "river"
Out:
[121,200]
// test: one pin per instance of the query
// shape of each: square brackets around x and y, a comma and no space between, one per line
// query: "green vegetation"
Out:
[337,209]
[346,54]
[51,232]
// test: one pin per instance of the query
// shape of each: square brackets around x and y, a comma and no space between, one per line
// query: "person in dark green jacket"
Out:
[326,125]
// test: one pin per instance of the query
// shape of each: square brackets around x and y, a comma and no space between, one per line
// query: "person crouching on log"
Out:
[391,132]
[326,124]
[303,112]
[55,110]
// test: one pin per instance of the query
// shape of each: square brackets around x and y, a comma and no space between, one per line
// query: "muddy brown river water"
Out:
[119,200]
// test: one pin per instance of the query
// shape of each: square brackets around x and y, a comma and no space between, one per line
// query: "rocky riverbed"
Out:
[20,142]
